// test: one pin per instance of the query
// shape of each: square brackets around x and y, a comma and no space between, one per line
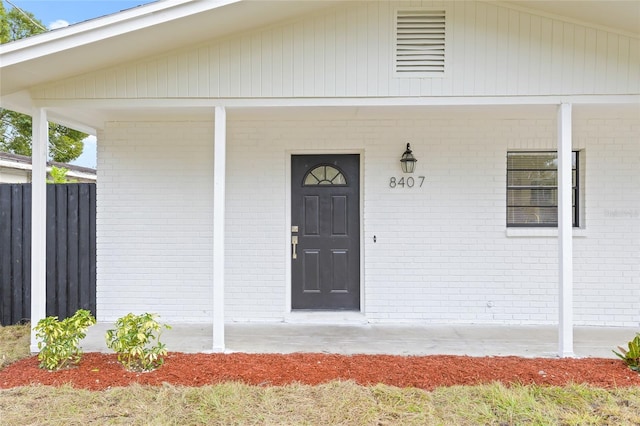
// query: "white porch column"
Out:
[219,163]
[565,233]
[40,136]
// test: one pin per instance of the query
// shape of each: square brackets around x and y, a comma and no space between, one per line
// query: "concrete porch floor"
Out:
[473,340]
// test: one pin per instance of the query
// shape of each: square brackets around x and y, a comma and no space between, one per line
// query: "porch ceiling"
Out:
[431,112]
[543,111]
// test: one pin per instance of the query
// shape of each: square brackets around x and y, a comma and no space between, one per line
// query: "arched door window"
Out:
[324,174]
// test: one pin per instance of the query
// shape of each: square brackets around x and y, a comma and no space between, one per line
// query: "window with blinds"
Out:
[532,188]
[419,42]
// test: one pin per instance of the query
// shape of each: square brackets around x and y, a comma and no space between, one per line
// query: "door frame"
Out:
[287,212]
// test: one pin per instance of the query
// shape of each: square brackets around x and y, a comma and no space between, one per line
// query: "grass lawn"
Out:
[334,403]
[14,344]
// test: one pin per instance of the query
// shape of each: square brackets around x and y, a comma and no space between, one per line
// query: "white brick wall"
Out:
[154,220]
[442,251]
[608,261]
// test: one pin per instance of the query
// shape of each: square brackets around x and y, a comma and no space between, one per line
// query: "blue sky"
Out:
[59,13]
[55,13]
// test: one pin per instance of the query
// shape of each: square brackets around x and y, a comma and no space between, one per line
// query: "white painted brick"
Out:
[441,254]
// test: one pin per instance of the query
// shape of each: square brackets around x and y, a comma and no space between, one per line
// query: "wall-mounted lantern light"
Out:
[408,161]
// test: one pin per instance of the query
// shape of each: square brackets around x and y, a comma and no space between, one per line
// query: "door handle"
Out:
[294,246]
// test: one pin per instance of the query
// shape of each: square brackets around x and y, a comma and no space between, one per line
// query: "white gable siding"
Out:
[491,50]
[441,252]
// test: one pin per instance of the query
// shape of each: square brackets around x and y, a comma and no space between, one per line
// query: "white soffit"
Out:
[335,112]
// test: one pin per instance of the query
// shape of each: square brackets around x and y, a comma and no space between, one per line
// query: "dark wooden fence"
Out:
[71,250]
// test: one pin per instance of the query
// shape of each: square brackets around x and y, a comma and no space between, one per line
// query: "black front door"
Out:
[325,232]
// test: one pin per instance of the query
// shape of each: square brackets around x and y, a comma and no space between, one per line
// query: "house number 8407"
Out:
[408,182]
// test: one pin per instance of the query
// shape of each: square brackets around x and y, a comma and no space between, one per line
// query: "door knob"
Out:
[294,246]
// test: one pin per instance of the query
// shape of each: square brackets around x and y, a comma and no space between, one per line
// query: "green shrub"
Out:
[133,340]
[631,356]
[58,340]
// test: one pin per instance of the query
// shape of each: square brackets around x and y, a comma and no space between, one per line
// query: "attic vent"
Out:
[419,48]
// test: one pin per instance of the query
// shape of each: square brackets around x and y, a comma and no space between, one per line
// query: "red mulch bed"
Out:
[99,371]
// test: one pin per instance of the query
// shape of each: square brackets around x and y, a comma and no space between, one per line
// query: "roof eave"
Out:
[102,28]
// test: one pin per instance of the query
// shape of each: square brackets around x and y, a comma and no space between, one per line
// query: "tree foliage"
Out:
[59,175]
[65,144]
